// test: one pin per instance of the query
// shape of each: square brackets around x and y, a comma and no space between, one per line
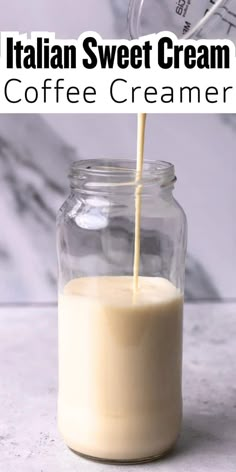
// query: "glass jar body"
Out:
[119,357]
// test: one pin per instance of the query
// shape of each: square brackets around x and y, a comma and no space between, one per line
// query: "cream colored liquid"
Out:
[138,198]
[120,367]
[120,350]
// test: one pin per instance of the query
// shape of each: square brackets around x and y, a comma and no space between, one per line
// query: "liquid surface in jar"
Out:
[120,366]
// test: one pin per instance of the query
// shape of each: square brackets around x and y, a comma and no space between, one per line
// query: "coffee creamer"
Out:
[120,351]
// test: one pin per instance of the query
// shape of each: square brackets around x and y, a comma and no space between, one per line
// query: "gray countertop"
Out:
[29,441]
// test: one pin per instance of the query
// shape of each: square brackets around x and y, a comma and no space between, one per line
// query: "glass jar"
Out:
[120,353]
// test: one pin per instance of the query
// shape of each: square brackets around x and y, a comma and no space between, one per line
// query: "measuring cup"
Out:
[209,19]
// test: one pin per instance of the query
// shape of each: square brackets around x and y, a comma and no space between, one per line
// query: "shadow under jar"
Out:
[120,353]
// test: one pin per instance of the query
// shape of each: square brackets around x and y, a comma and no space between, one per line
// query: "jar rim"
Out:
[120,172]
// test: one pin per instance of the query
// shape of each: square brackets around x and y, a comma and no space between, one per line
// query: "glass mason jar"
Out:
[120,353]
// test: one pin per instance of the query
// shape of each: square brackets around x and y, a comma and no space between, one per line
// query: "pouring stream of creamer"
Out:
[138,197]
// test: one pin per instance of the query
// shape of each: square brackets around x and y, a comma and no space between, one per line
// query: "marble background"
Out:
[36,150]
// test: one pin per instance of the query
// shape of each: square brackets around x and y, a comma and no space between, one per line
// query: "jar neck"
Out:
[102,176]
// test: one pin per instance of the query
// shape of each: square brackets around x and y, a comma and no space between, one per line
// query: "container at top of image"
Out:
[208,19]
[119,359]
